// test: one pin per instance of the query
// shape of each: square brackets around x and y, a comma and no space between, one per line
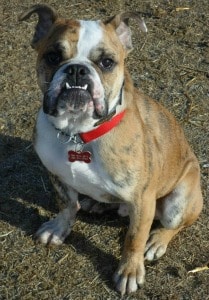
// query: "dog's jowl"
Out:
[99,136]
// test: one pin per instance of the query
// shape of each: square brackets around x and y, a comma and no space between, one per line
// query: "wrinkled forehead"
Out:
[74,37]
[81,39]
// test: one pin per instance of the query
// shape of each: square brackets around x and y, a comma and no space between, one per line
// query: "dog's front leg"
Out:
[55,231]
[131,271]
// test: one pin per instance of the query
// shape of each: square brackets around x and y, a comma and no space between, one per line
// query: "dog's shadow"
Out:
[25,190]
[23,184]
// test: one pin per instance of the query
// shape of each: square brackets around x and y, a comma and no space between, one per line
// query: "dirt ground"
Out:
[171,64]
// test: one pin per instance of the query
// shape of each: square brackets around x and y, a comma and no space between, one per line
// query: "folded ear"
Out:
[120,23]
[46,17]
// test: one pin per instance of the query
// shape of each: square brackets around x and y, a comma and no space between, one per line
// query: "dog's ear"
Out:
[46,17]
[120,23]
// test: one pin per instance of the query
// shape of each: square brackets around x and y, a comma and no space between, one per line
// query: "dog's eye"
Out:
[53,58]
[107,63]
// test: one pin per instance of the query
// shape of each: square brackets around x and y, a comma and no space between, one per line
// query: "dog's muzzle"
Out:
[71,90]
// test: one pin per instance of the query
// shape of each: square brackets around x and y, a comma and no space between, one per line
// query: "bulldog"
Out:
[101,137]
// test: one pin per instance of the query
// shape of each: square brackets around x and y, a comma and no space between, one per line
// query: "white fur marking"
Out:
[173,208]
[89,37]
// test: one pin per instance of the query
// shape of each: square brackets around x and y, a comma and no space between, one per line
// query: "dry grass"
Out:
[172,65]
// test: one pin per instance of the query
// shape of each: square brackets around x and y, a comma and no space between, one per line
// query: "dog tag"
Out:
[84,156]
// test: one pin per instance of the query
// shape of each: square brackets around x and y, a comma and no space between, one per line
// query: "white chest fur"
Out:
[86,178]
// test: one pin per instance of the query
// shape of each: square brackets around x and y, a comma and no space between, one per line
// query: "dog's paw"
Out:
[86,204]
[156,245]
[93,206]
[53,232]
[123,210]
[129,277]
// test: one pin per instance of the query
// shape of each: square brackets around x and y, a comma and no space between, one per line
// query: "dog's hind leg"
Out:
[177,210]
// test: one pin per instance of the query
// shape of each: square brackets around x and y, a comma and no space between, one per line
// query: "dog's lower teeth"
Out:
[75,87]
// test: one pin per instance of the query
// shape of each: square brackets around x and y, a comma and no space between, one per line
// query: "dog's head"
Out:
[80,64]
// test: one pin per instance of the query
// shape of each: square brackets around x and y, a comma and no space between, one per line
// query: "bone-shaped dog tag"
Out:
[84,156]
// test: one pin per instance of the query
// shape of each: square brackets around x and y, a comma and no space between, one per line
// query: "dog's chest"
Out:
[86,178]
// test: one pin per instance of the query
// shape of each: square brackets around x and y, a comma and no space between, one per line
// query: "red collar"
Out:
[89,136]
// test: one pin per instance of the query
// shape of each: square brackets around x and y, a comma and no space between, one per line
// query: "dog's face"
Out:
[77,69]
[80,64]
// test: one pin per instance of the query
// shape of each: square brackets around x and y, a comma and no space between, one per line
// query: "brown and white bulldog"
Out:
[99,136]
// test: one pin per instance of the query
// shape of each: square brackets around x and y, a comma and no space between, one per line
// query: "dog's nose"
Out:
[77,70]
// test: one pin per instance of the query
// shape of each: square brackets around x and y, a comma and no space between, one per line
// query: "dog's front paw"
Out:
[54,231]
[128,277]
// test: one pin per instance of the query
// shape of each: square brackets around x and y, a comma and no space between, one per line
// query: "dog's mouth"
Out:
[75,99]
